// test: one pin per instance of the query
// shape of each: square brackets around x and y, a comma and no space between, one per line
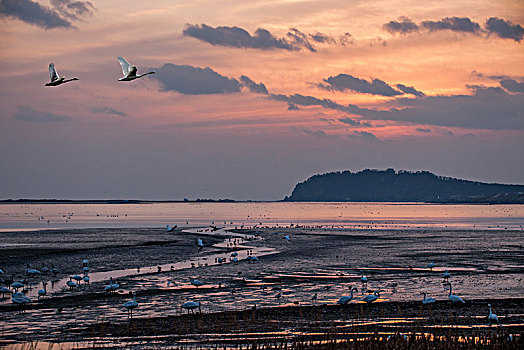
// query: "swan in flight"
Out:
[347,298]
[427,300]
[55,78]
[371,298]
[130,305]
[492,317]
[452,297]
[191,305]
[129,70]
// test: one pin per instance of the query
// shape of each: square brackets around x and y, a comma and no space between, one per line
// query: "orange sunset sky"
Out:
[251,97]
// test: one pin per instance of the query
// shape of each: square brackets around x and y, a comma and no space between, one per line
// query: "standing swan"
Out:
[347,298]
[190,306]
[129,70]
[363,278]
[55,78]
[492,318]
[130,305]
[371,298]
[452,297]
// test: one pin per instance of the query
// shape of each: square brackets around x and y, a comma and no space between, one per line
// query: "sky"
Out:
[251,97]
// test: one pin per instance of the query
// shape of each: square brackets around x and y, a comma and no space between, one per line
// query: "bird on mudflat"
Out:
[371,298]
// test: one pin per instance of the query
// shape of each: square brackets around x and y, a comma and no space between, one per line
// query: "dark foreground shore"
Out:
[328,324]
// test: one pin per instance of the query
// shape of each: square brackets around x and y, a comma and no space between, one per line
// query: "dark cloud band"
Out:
[61,16]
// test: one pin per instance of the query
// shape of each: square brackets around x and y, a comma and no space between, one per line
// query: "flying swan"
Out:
[129,70]
[55,78]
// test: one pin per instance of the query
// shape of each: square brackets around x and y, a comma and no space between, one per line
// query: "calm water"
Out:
[380,215]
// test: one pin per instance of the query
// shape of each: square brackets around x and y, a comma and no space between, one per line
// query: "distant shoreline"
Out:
[140,201]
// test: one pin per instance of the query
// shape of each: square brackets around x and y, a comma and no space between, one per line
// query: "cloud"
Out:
[300,39]
[28,114]
[410,90]
[61,15]
[317,133]
[253,87]
[345,82]
[404,25]
[512,85]
[33,13]
[323,38]
[353,122]
[494,25]
[292,107]
[456,24]
[107,110]
[504,29]
[74,10]
[194,81]
[240,38]
[377,41]
[487,108]
[362,135]
[424,130]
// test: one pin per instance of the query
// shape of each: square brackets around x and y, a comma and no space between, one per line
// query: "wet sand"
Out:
[485,266]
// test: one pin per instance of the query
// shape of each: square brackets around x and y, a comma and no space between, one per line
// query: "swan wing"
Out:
[52,72]
[125,65]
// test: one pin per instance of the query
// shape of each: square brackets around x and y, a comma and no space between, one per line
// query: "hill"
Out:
[402,186]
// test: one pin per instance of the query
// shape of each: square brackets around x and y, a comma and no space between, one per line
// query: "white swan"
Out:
[16,285]
[200,243]
[492,318]
[4,290]
[431,265]
[20,299]
[452,297]
[371,298]
[71,284]
[32,272]
[111,287]
[363,278]
[130,305]
[196,283]
[171,229]
[286,237]
[129,70]
[446,275]
[42,292]
[191,305]
[78,278]
[55,78]
[427,300]
[347,298]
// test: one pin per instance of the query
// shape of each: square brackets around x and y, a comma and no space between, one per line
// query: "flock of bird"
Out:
[128,70]
[21,299]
